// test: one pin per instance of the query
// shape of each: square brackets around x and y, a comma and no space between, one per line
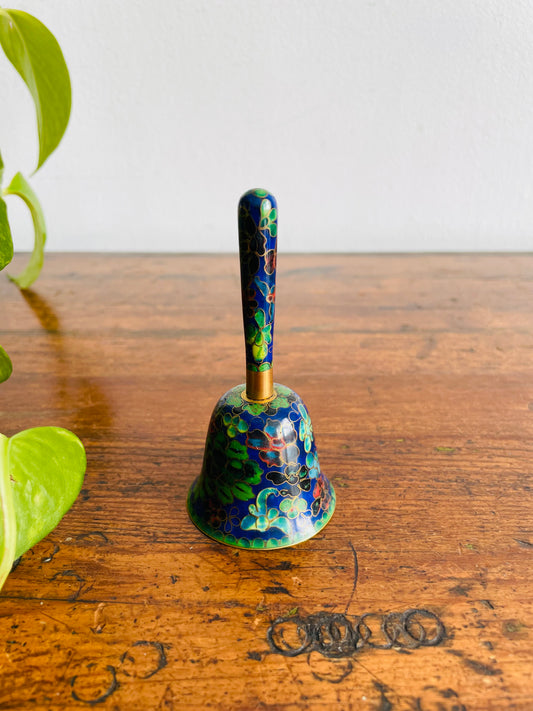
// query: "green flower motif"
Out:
[234,398]
[259,336]
[293,507]
[311,462]
[234,425]
[254,408]
[306,428]
[269,216]
[261,518]
[284,396]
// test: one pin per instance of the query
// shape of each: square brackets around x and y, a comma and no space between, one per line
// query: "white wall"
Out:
[392,125]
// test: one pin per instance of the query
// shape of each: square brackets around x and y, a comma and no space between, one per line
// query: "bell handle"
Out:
[258,231]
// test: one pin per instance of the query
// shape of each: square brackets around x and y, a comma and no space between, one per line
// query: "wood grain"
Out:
[417,372]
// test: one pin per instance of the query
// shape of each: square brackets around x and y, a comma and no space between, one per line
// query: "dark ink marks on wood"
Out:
[384,703]
[336,675]
[333,635]
[70,574]
[111,688]
[284,565]
[433,700]
[355,577]
[487,603]
[449,693]
[216,618]
[233,603]
[149,664]
[478,667]
[48,558]
[276,589]
[462,590]
[255,655]
[93,537]
[174,579]
[167,701]
[481,668]
[522,543]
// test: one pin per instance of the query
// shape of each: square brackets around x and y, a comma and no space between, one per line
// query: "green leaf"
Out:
[8,531]
[242,491]
[253,472]
[237,451]
[36,55]
[6,242]
[225,494]
[20,186]
[249,333]
[260,318]
[260,352]
[41,473]
[6,367]
[1,170]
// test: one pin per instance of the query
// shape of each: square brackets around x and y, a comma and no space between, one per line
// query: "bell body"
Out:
[261,486]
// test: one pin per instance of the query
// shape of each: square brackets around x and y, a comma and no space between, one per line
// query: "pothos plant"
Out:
[41,469]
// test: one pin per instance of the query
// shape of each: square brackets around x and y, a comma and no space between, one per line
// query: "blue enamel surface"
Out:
[258,216]
[261,484]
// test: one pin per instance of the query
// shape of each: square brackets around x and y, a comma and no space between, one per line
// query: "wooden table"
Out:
[417,372]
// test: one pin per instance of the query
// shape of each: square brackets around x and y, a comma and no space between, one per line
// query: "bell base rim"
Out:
[267,544]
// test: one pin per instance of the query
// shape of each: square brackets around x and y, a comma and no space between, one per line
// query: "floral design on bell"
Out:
[311,462]
[293,507]
[234,424]
[261,518]
[276,442]
[261,484]
[306,428]
[292,480]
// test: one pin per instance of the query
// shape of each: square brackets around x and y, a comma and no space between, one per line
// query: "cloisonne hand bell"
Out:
[260,486]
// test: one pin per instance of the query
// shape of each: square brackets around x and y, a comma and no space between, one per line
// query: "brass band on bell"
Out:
[259,385]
